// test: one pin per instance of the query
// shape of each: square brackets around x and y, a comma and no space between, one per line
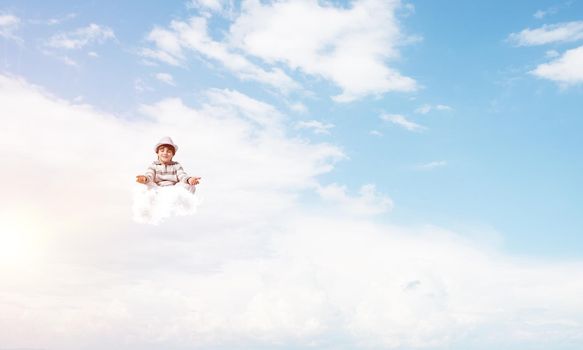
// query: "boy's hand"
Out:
[193,180]
[141,179]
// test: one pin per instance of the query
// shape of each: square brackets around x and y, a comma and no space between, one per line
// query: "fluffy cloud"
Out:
[8,24]
[349,47]
[402,121]
[259,265]
[547,34]
[82,37]
[567,69]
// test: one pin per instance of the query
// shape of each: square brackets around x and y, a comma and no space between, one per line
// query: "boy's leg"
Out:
[188,187]
[151,186]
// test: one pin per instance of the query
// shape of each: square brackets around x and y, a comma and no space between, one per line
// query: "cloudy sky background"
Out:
[376,174]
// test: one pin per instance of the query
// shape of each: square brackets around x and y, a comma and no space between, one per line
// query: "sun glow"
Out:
[18,244]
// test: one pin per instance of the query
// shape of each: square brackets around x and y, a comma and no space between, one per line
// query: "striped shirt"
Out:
[166,174]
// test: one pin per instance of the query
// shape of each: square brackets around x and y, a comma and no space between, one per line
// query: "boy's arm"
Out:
[150,173]
[182,175]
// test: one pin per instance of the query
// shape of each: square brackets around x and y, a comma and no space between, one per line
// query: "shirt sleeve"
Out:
[151,172]
[182,175]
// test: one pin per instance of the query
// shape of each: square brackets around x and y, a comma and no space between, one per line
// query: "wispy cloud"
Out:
[540,14]
[376,133]
[170,45]
[553,10]
[140,86]
[8,25]
[428,108]
[315,125]
[298,107]
[165,78]
[231,101]
[161,56]
[212,5]
[566,70]
[81,37]
[552,54]
[431,165]
[402,121]
[53,21]
[209,8]
[63,58]
[547,34]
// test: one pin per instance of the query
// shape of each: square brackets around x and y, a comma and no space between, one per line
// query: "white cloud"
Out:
[432,165]
[566,70]
[424,109]
[315,125]
[209,8]
[256,267]
[93,54]
[82,37]
[8,25]
[376,133]
[212,5]
[443,108]
[369,202]
[403,122]
[298,107]
[63,58]
[347,46]
[161,56]
[547,34]
[539,14]
[140,86]
[165,78]
[68,61]
[428,108]
[193,35]
[552,54]
[260,113]
[55,21]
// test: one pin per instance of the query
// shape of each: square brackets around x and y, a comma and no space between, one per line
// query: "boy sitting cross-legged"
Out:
[166,172]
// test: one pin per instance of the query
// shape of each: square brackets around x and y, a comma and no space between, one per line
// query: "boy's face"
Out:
[165,154]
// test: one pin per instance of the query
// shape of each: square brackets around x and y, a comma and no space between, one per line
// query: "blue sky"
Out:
[510,141]
[429,119]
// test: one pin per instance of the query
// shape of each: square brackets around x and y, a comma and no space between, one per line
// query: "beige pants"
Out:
[188,187]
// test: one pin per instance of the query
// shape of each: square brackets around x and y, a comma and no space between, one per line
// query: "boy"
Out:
[165,171]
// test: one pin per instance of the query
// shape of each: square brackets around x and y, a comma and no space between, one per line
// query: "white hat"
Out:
[166,140]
